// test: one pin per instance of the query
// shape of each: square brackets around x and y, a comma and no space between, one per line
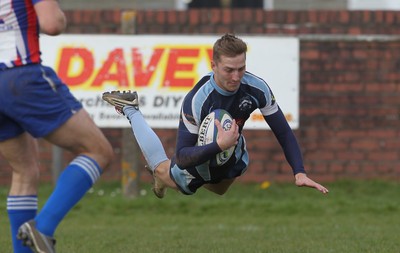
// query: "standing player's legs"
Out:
[22,154]
[44,107]
[82,137]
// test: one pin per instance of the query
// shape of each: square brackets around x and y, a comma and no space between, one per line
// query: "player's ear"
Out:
[213,65]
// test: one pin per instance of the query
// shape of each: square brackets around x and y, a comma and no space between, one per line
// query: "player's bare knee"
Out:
[107,155]
[109,152]
[101,151]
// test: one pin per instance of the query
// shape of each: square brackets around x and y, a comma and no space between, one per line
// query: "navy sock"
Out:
[20,210]
[73,183]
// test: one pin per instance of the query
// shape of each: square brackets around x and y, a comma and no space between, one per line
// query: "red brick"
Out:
[366,17]
[160,17]
[320,155]
[336,168]
[390,17]
[344,17]
[365,144]
[215,16]
[350,155]
[172,18]
[226,16]
[259,15]
[352,169]
[383,133]
[194,17]
[384,156]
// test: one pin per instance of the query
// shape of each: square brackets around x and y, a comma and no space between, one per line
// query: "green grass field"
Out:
[356,216]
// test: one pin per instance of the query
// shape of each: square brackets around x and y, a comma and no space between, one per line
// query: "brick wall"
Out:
[350,107]
[349,87]
[249,21]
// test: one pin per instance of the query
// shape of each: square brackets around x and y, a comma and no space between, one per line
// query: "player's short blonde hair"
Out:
[228,45]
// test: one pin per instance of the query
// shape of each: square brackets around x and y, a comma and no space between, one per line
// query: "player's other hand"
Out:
[303,180]
[228,138]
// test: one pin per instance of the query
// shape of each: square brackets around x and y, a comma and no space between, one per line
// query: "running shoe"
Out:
[37,241]
[120,99]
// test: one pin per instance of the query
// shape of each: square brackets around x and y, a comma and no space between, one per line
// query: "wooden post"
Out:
[130,164]
[130,149]
[128,21]
[57,163]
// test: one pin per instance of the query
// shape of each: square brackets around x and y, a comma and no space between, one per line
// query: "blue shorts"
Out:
[35,100]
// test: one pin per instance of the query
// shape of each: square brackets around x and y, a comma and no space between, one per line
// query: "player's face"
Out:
[228,71]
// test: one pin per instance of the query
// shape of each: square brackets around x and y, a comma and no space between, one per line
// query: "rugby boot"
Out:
[120,99]
[35,240]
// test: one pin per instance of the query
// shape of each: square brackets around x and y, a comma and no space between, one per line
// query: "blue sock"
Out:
[20,210]
[151,146]
[71,186]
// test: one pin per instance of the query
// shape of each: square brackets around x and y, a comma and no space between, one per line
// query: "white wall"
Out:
[117,4]
[309,4]
[373,4]
[268,4]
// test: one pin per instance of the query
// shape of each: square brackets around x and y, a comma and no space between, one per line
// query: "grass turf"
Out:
[356,216]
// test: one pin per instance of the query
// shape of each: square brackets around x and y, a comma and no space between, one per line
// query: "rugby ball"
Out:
[208,133]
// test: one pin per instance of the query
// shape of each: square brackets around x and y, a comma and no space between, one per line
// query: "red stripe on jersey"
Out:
[32,33]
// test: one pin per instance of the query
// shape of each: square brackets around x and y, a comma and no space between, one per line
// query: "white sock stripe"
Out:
[91,169]
[92,165]
[83,166]
[89,166]
[22,207]
[22,203]
[22,198]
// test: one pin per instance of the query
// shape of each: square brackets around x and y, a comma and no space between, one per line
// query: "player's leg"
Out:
[220,188]
[127,103]
[162,172]
[152,149]
[57,116]
[21,152]
[147,139]
[82,137]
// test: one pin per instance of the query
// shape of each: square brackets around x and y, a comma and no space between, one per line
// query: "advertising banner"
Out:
[162,69]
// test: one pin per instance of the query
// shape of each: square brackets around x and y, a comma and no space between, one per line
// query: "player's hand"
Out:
[303,180]
[227,138]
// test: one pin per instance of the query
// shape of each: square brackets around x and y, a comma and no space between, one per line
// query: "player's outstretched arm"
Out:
[303,180]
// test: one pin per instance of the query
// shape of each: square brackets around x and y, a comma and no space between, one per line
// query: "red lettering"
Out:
[142,75]
[174,66]
[115,59]
[70,55]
